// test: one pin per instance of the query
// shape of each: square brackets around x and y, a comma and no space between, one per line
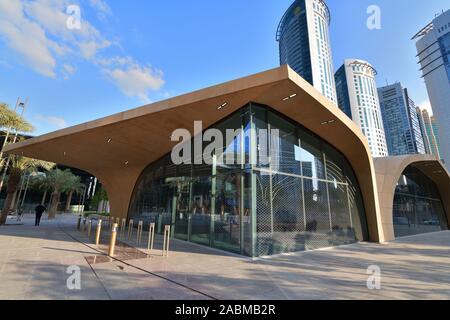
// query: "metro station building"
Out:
[318,187]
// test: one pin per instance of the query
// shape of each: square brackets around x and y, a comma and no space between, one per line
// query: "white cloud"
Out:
[426,105]
[27,38]
[68,70]
[136,81]
[37,31]
[101,6]
[56,122]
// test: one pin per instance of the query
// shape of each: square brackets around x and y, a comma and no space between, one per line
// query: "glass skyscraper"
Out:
[433,47]
[431,133]
[358,98]
[401,122]
[304,43]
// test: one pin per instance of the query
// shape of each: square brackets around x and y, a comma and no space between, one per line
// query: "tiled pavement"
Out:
[33,264]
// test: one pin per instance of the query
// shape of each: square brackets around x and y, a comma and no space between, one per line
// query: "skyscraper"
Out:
[431,133]
[304,43]
[433,47]
[401,123]
[423,130]
[358,97]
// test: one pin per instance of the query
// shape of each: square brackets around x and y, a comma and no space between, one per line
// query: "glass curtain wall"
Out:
[417,205]
[285,190]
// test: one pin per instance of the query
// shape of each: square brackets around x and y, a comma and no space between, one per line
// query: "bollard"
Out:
[79,223]
[122,227]
[109,222]
[130,228]
[89,227]
[112,242]
[83,225]
[139,232]
[151,236]
[166,241]
[97,234]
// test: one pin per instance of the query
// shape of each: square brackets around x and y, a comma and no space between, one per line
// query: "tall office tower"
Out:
[433,47]
[304,42]
[431,133]
[358,97]
[423,130]
[401,123]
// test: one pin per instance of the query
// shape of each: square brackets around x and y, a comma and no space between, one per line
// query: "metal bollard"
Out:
[166,241]
[79,222]
[112,242]
[97,234]
[130,228]
[89,227]
[83,225]
[139,232]
[151,236]
[123,227]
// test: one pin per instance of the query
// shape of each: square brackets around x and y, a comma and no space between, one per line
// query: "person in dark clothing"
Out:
[40,209]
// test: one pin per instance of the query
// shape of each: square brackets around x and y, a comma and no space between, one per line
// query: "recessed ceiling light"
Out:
[328,122]
[127,162]
[109,140]
[289,97]
[65,154]
[223,105]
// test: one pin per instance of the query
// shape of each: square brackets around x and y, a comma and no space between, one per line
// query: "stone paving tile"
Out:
[33,264]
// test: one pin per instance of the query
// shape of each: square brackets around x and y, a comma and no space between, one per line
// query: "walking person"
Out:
[40,209]
[19,214]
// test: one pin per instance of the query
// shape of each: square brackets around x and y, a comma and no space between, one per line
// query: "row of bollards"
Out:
[85,225]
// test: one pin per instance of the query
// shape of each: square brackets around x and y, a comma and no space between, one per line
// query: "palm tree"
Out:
[18,166]
[59,182]
[73,186]
[10,120]
[40,183]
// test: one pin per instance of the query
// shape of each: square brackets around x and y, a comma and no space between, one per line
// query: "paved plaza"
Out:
[34,262]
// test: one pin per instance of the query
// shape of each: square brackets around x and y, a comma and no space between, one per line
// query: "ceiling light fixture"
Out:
[223,105]
[127,162]
[109,140]
[289,97]
[328,122]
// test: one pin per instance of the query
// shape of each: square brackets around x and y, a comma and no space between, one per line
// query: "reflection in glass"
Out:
[285,191]
[417,205]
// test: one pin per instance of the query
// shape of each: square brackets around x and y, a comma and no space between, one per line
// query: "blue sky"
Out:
[128,53]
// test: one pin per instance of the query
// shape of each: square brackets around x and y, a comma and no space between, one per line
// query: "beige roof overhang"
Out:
[141,136]
[389,171]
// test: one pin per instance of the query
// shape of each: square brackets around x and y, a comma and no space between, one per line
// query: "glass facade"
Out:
[287,191]
[304,44]
[444,44]
[417,205]
[294,41]
[342,91]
